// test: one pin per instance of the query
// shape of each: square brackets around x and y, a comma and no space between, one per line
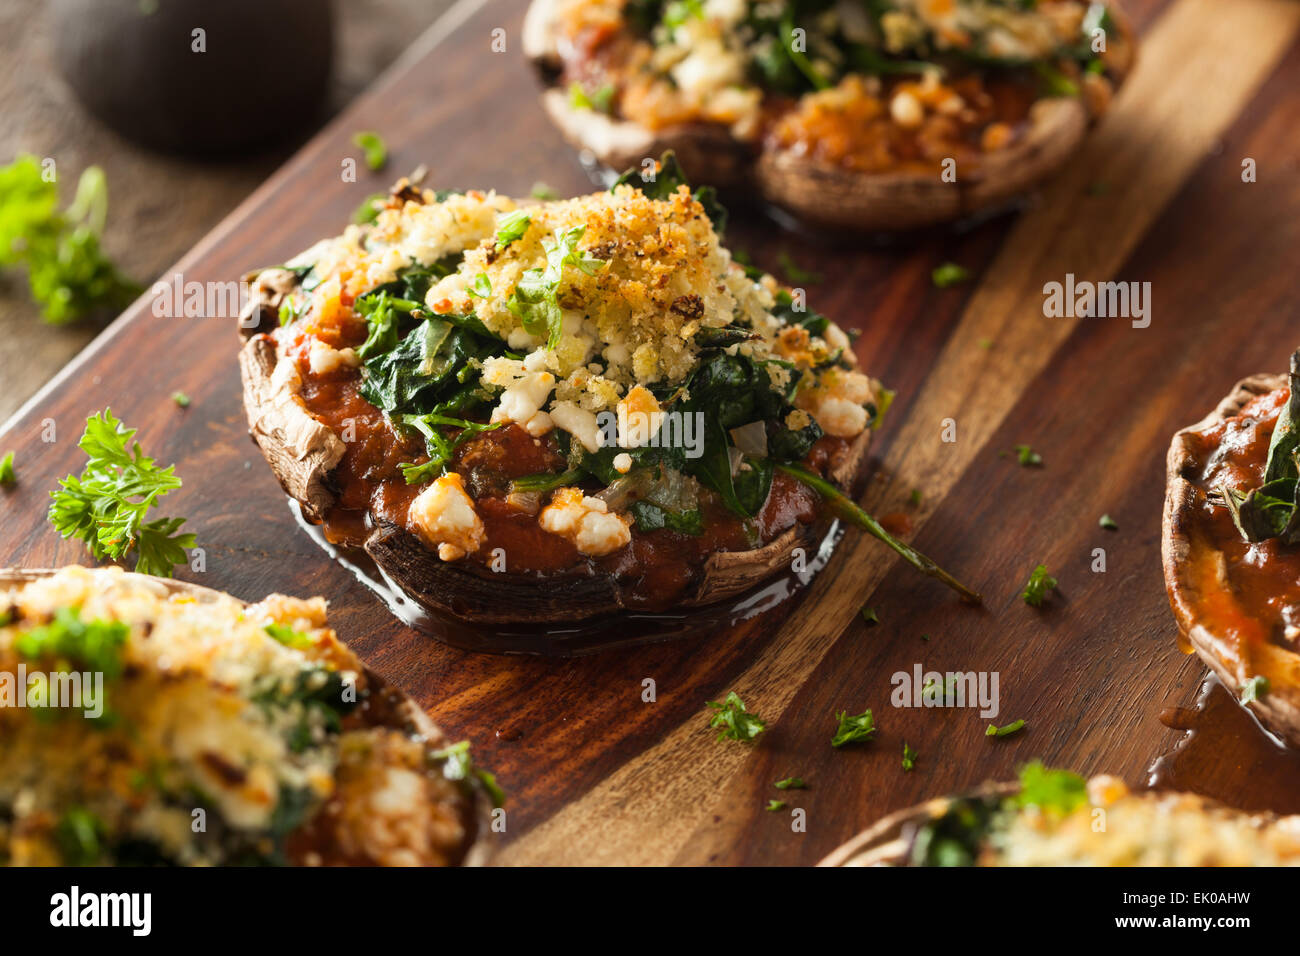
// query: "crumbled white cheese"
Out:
[638,418]
[443,516]
[587,522]
[578,422]
[324,358]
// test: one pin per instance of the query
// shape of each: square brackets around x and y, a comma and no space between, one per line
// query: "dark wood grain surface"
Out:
[597,775]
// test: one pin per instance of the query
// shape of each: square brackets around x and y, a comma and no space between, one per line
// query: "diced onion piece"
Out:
[751,439]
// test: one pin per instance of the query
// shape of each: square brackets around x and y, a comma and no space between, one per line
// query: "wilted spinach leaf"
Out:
[1270,511]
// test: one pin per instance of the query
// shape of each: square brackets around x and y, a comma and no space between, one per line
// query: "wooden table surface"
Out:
[597,775]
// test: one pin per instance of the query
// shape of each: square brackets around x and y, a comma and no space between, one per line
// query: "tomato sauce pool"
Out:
[656,568]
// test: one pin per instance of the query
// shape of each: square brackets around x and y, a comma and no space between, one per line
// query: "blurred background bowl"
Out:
[262,74]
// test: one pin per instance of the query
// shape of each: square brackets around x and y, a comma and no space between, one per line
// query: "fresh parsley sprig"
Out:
[106,505]
[67,272]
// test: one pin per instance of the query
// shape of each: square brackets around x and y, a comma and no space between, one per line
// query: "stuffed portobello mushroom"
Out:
[534,412]
[854,114]
[1231,544]
[149,721]
[1057,818]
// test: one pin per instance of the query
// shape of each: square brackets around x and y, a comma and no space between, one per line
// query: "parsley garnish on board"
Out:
[909,757]
[1040,582]
[1108,523]
[7,476]
[106,505]
[736,722]
[949,274]
[1005,731]
[374,148]
[774,805]
[791,783]
[68,274]
[1027,457]
[853,729]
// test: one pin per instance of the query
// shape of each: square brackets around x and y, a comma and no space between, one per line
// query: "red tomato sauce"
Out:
[657,566]
[1247,592]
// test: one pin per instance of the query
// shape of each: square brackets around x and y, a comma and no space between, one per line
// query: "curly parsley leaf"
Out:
[854,729]
[68,274]
[736,722]
[105,506]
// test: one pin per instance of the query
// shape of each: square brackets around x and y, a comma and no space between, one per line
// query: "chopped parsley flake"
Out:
[1040,582]
[949,274]
[853,729]
[736,722]
[376,152]
[1027,457]
[909,757]
[1005,731]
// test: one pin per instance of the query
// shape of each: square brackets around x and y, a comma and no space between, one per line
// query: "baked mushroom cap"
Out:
[302,452]
[817,193]
[1149,827]
[888,842]
[385,706]
[1279,709]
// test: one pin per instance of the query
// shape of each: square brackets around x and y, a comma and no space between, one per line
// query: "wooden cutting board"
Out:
[595,773]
